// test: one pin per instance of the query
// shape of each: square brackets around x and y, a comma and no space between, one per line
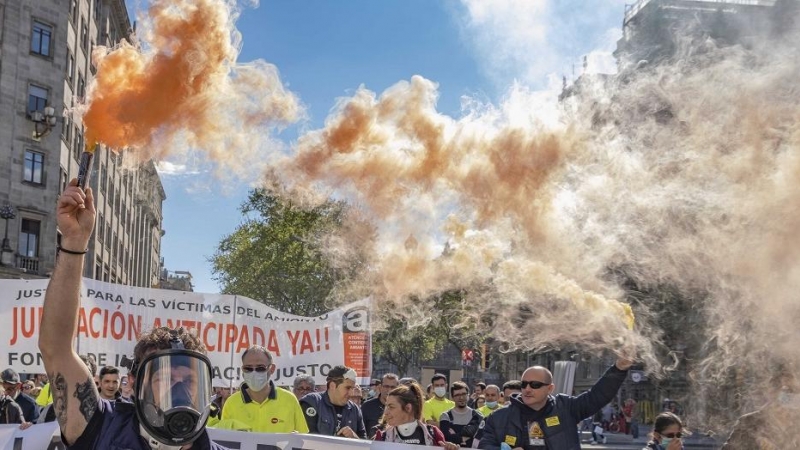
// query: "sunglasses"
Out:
[27,388]
[534,384]
[389,386]
[672,435]
[259,369]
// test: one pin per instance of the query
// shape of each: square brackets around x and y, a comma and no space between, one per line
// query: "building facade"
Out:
[45,68]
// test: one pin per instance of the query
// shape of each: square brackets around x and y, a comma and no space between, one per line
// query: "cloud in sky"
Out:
[534,41]
[167,169]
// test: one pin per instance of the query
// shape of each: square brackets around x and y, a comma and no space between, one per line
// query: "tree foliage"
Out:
[275,255]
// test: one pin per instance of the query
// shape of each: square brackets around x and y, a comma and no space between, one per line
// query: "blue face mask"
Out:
[665,441]
[491,405]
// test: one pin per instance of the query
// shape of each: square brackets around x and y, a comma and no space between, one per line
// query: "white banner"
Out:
[112,317]
[47,437]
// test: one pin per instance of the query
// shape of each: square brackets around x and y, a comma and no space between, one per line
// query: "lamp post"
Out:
[7,212]
[43,121]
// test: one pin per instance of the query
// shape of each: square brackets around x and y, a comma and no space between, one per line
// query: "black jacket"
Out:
[372,411]
[321,416]
[562,413]
[10,412]
[29,407]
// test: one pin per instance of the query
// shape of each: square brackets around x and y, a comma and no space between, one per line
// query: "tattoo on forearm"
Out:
[58,389]
[86,393]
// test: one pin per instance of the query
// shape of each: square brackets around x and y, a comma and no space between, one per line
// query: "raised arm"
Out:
[75,397]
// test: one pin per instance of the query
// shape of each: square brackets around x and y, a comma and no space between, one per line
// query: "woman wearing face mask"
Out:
[402,418]
[667,433]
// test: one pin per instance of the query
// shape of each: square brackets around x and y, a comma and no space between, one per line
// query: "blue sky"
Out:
[474,49]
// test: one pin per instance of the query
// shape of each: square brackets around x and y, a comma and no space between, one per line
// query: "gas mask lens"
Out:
[173,395]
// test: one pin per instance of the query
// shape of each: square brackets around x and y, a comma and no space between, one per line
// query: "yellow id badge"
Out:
[552,421]
[511,440]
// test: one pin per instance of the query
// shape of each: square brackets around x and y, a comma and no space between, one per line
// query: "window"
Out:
[81,85]
[34,166]
[101,229]
[84,35]
[37,98]
[29,238]
[76,143]
[97,9]
[98,270]
[66,131]
[40,38]
[64,180]
[103,180]
[70,66]
[73,10]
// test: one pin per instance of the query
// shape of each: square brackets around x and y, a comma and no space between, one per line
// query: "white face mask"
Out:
[440,391]
[407,429]
[256,380]
[154,444]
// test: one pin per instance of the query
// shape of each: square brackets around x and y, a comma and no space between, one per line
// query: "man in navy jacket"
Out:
[538,420]
[331,413]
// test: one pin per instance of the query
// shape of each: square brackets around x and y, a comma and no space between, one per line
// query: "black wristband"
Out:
[71,252]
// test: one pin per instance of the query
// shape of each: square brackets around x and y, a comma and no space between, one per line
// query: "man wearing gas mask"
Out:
[171,375]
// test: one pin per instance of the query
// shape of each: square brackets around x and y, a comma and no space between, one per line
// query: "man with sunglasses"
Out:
[303,384]
[259,404]
[13,389]
[372,409]
[538,420]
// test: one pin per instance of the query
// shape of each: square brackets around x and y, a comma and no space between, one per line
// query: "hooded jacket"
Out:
[561,416]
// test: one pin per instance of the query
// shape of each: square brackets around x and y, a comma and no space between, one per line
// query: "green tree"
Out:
[406,346]
[276,256]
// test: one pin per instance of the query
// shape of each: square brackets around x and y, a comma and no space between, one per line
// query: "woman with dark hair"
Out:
[667,433]
[402,417]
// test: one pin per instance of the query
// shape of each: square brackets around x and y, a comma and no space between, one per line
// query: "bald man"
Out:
[492,395]
[538,420]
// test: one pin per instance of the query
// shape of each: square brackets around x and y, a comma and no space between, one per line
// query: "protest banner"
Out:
[47,437]
[113,316]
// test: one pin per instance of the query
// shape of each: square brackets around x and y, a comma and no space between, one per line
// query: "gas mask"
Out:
[173,394]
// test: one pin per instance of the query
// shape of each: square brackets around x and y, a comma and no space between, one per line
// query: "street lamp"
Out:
[7,212]
[43,121]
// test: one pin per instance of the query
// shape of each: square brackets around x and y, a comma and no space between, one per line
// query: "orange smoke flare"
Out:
[186,84]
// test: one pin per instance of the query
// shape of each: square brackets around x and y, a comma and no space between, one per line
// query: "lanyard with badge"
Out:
[535,435]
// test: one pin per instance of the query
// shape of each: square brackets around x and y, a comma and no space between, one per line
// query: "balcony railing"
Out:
[28,264]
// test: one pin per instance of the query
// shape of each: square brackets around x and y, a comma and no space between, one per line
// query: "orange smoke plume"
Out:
[184,87]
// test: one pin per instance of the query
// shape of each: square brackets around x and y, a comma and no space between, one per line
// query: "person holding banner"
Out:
[13,388]
[171,375]
[332,413]
[403,422]
[261,406]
